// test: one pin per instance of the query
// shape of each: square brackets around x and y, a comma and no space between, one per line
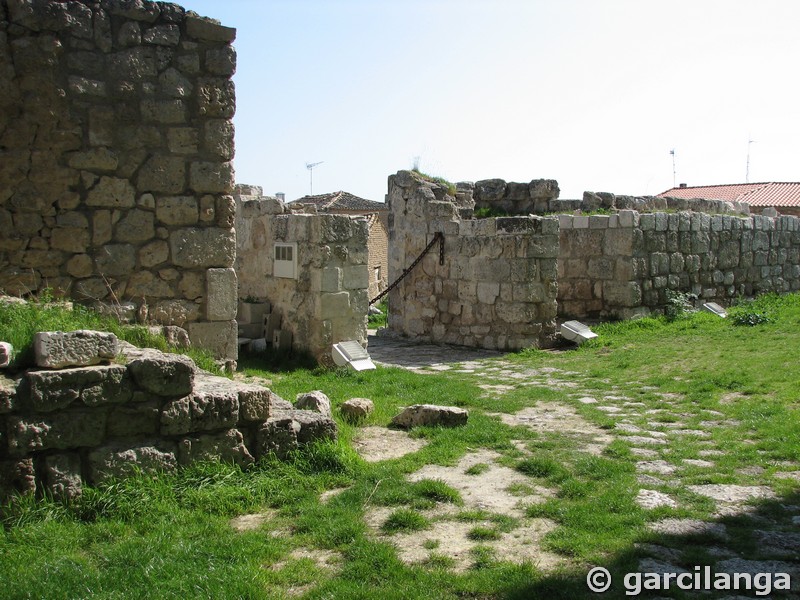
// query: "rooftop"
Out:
[341,201]
[770,193]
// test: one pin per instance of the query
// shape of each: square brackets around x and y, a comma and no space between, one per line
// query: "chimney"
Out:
[682,185]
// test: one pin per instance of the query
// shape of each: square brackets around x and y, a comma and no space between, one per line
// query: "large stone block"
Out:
[57,349]
[292,429]
[119,461]
[255,402]
[17,475]
[162,173]
[218,337]
[162,374]
[627,294]
[211,177]
[59,430]
[112,192]
[62,475]
[207,29]
[227,446]
[315,401]
[46,391]
[214,404]
[420,415]
[135,420]
[221,294]
[192,247]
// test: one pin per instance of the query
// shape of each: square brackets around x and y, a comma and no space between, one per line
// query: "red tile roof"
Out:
[341,201]
[756,194]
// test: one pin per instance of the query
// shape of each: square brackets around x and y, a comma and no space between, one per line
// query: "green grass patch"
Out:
[404,519]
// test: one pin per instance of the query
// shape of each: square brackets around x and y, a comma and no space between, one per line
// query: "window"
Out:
[377,271]
[285,263]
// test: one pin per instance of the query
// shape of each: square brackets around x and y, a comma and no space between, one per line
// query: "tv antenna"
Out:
[672,152]
[747,173]
[310,167]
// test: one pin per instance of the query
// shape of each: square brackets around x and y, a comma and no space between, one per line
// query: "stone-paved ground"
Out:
[652,432]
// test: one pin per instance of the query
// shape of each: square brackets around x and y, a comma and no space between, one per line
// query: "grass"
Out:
[169,535]
[20,321]
[379,321]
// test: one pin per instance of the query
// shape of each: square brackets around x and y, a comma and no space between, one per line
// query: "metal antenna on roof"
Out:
[747,173]
[672,152]
[310,167]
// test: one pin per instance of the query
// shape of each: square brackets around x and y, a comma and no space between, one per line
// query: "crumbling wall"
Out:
[496,287]
[326,301]
[115,160]
[503,279]
[81,417]
[625,264]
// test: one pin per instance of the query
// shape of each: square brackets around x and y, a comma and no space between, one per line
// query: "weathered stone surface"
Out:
[59,430]
[202,248]
[213,404]
[135,420]
[62,474]
[118,460]
[17,475]
[6,352]
[177,210]
[221,294]
[112,192]
[57,349]
[227,446]
[315,401]
[208,29]
[357,409]
[46,391]
[8,394]
[419,415]
[211,177]
[255,402]
[218,337]
[292,429]
[162,374]
[165,174]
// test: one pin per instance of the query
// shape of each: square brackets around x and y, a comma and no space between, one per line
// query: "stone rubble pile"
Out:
[96,408]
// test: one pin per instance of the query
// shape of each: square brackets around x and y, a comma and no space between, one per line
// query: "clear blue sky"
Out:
[593,93]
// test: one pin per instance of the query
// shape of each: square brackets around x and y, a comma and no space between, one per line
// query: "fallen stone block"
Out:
[419,415]
[163,374]
[292,429]
[58,349]
[224,447]
[118,461]
[356,409]
[315,401]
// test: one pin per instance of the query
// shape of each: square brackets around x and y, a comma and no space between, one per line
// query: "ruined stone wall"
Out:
[63,427]
[327,301]
[115,160]
[625,264]
[497,286]
[504,278]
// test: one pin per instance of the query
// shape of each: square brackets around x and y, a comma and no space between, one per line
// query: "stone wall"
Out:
[625,264]
[327,301]
[116,144]
[62,427]
[504,278]
[497,285]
